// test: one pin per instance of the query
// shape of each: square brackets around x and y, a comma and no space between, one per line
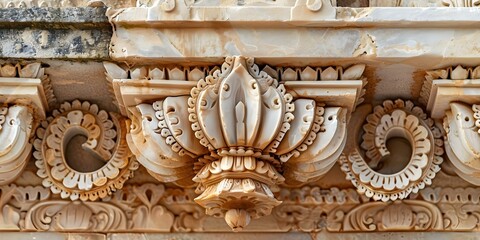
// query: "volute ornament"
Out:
[15,131]
[451,94]
[379,173]
[26,94]
[103,167]
[462,140]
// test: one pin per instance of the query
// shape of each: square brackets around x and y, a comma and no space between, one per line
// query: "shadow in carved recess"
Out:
[74,151]
[400,153]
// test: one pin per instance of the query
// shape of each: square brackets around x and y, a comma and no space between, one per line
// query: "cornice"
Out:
[296,14]
[421,38]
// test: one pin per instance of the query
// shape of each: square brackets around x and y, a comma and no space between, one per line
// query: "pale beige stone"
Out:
[104,168]
[245,116]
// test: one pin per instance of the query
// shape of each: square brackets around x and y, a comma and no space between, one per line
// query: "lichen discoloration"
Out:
[85,17]
[77,33]
[54,43]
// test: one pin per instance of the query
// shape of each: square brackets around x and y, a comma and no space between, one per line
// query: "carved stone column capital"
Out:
[237,131]
[451,94]
[25,96]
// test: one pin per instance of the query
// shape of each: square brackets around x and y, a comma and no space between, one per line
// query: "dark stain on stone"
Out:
[77,44]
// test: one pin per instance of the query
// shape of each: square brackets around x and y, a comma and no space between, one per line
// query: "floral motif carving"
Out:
[139,208]
[105,136]
[394,216]
[76,215]
[459,206]
[146,216]
[400,119]
[236,131]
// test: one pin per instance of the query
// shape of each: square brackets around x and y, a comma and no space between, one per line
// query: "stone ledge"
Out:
[61,33]
[285,236]
[54,43]
[52,236]
[62,18]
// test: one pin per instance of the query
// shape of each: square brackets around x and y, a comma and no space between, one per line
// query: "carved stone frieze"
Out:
[139,208]
[227,118]
[92,169]
[403,151]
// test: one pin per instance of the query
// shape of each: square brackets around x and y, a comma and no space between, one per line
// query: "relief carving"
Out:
[394,216]
[462,140]
[74,216]
[157,208]
[236,132]
[25,95]
[104,166]
[15,148]
[380,174]
[147,216]
[451,95]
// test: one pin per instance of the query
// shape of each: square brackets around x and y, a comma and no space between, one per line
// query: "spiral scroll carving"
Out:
[395,119]
[105,134]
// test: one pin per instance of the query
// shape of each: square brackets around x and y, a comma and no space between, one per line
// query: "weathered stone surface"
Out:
[31,43]
[83,80]
[81,17]
[75,33]
[53,236]
[65,3]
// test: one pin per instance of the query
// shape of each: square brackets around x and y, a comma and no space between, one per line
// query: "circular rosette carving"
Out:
[81,152]
[402,147]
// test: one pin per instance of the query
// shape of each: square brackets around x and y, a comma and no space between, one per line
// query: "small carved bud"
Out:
[237,219]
